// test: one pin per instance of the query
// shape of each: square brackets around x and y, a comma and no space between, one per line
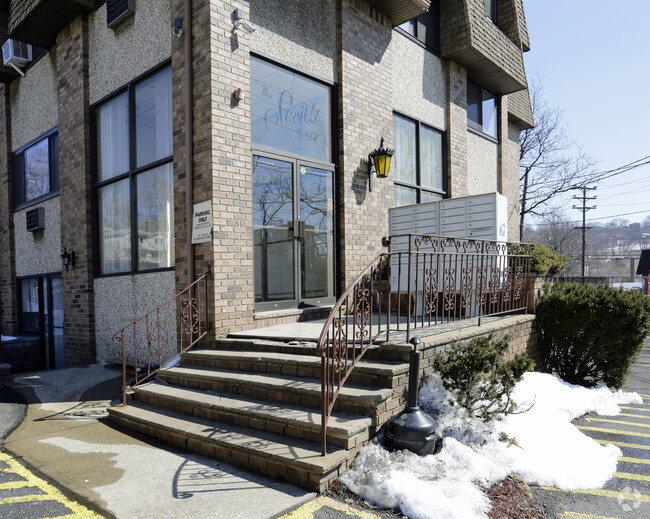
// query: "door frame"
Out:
[45,319]
[298,301]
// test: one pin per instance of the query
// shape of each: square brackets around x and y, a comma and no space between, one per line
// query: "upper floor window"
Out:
[36,169]
[133,148]
[418,162]
[426,28]
[491,9]
[481,110]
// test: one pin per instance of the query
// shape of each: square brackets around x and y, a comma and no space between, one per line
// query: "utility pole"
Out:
[584,210]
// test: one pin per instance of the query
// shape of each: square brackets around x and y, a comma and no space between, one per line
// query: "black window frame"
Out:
[493,13]
[18,166]
[426,28]
[443,144]
[131,175]
[478,125]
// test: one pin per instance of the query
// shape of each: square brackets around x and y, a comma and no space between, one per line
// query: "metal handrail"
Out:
[190,317]
[422,280]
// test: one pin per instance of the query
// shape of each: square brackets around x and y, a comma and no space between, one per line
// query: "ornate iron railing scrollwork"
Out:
[428,280]
[187,311]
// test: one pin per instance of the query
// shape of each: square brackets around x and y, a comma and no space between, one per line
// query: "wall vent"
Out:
[118,10]
[35,219]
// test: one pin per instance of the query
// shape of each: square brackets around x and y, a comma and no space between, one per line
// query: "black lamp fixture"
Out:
[67,258]
[379,160]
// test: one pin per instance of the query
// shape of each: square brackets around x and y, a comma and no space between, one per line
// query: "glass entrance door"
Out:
[41,314]
[54,322]
[293,233]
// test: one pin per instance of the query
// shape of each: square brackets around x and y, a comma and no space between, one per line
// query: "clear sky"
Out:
[593,60]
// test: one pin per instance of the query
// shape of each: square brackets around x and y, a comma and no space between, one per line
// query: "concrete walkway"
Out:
[66,437]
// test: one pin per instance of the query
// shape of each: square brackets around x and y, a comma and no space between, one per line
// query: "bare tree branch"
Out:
[550,163]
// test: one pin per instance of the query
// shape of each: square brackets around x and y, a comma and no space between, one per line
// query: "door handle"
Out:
[298,228]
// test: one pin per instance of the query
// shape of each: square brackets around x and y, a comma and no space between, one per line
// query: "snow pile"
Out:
[545,449]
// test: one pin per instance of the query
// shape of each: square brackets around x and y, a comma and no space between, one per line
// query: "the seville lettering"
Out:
[287,115]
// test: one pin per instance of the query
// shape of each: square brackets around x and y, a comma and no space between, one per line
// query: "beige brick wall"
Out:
[365,115]
[457,130]
[522,330]
[8,314]
[221,160]
[76,189]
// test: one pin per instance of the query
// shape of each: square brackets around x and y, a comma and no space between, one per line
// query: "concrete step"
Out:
[306,392]
[291,459]
[388,374]
[297,347]
[345,431]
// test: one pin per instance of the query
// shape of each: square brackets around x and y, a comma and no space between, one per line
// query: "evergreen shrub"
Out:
[592,334]
[480,377]
[546,261]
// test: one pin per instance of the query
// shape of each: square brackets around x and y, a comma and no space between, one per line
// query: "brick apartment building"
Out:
[112,129]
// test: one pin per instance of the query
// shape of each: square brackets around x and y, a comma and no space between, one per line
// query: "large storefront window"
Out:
[135,188]
[293,188]
[419,162]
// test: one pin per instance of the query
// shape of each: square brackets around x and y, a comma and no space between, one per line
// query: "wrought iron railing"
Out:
[154,340]
[422,281]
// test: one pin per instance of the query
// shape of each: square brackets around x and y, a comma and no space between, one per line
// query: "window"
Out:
[426,28]
[133,148]
[290,113]
[481,110]
[418,162]
[36,169]
[491,9]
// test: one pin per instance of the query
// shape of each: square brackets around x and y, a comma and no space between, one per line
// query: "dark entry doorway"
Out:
[41,314]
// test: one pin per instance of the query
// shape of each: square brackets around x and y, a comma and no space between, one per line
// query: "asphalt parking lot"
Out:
[627,494]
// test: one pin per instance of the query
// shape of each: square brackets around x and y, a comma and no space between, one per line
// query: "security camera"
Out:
[177,29]
[241,24]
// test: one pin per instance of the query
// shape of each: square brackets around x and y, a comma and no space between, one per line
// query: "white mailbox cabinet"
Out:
[479,217]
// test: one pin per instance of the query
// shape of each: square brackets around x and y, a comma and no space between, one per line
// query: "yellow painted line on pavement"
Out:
[638,409]
[645,396]
[633,460]
[12,485]
[575,515]
[613,431]
[623,444]
[612,494]
[51,493]
[631,415]
[622,422]
[628,475]
[307,510]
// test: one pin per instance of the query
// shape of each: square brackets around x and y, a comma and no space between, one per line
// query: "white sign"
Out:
[202,222]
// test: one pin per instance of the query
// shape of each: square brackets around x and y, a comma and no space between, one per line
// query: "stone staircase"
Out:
[256,404]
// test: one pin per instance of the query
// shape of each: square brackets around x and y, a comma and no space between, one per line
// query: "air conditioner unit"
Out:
[16,53]
[35,219]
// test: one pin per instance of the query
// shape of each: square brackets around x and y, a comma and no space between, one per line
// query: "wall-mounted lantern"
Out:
[379,161]
[68,259]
